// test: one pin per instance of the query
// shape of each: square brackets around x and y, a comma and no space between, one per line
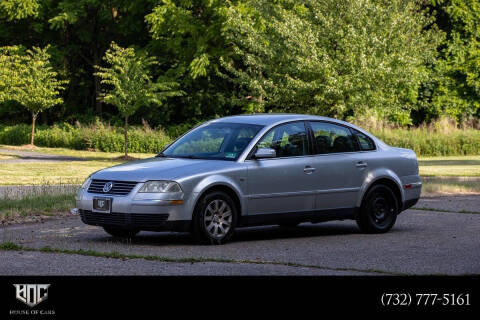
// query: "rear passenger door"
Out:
[340,170]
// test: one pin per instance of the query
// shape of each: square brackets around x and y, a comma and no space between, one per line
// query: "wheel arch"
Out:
[229,190]
[389,181]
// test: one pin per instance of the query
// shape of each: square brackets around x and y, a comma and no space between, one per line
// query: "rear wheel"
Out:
[379,210]
[121,233]
[214,219]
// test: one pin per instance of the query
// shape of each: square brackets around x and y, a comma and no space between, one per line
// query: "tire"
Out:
[379,210]
[214,219]
[121,233]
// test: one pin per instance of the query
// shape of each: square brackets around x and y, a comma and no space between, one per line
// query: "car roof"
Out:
[267,119]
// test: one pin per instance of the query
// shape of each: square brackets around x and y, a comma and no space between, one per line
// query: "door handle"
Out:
[361,164]
[308,169]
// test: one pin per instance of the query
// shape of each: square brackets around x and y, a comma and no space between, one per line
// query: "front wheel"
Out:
[121,233]
[214,219]
[379,210]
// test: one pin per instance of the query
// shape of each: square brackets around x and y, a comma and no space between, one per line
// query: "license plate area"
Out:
[102,205]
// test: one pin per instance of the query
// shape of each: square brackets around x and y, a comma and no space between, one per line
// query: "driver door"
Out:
[283,184]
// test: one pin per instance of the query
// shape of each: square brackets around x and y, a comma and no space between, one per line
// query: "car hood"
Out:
[160,169]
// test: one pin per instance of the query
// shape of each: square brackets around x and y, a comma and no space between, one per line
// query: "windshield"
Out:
[220,141]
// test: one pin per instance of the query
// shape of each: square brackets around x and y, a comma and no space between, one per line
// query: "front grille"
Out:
[120,188]
[123,219]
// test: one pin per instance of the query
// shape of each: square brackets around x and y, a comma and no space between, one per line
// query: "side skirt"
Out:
[314,216]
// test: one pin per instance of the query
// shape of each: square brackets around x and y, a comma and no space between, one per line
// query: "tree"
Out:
[18,9]
[457,90]
[130,83]
[187,37]
[339,58]
[8,56]
[34,84]
[85,29]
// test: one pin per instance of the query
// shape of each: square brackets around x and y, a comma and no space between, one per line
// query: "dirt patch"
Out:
[126,158]
[35,218]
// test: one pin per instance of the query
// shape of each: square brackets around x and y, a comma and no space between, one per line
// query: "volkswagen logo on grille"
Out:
[108,186]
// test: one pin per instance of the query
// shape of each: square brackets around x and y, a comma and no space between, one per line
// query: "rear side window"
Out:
[330,138]
[365,143]
[288,140]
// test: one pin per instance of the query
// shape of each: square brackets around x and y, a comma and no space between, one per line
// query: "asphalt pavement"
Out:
[423,242]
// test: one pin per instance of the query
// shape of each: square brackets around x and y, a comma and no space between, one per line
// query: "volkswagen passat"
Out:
[255,170]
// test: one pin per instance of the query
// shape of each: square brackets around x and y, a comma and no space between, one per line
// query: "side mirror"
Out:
[263,153]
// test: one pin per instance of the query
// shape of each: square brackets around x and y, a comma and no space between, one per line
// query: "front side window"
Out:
[221,141]
[288,140]
[330,138]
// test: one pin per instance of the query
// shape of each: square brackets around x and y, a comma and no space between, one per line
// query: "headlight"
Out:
[86,183]
[160,187]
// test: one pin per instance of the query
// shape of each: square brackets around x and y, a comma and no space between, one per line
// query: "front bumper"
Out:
[141,211]
[139,221]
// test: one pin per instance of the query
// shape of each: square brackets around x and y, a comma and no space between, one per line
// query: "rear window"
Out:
[365,143]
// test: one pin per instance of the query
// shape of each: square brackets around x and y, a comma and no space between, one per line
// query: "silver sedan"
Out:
[255,170]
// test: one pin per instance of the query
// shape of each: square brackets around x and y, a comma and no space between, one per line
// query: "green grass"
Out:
[37,173]
[6,156]
[60,172]
[454,166]
[17,210]
[450,185]
[85,154]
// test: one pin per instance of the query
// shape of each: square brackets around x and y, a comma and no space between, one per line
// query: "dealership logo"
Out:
[108,186]
[32,294]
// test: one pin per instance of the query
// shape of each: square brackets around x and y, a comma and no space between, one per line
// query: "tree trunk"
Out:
[97,85]
[34,118]
[126,136]
[259,108]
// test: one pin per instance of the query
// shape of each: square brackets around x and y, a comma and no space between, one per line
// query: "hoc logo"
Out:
[108,186]
[32,294]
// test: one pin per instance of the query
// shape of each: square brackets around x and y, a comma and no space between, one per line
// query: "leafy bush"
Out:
[427,142]
[96,136]
[177,130]
[442,137]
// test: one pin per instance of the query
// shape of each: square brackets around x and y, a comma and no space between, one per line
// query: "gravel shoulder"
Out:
[454,203]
